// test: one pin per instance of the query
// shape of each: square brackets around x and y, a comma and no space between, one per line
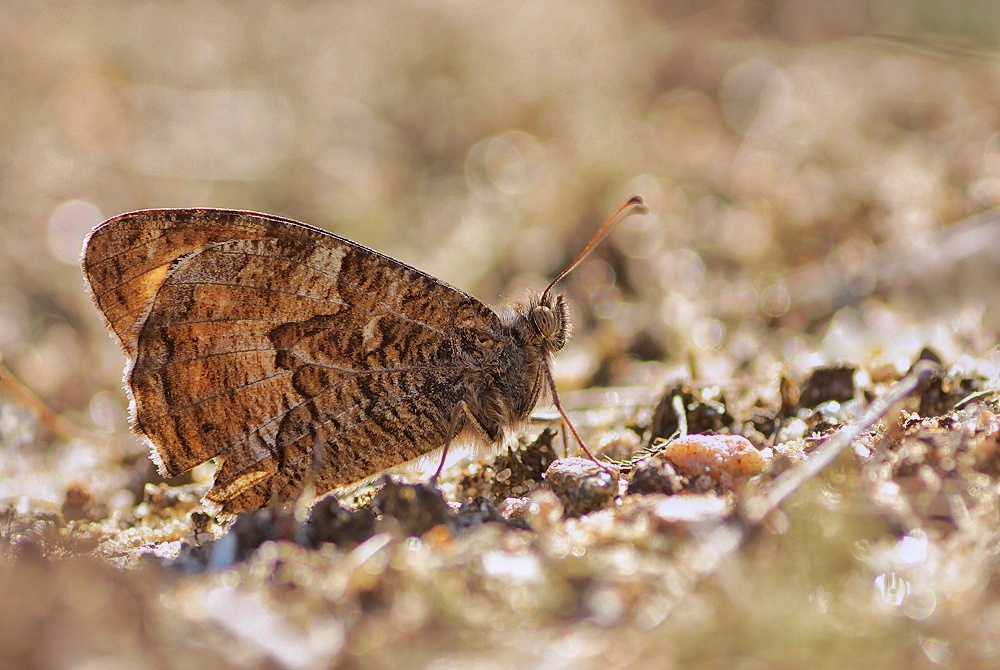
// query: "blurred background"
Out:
[822,178]
[801,158]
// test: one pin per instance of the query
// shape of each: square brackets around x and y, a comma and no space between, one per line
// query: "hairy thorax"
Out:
[506,370]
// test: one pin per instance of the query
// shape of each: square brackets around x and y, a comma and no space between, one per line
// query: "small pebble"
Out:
[476,512]
[413,508]
[515,509]
[724,458]
[581,484]
[829,383]
[78,502]
[655,475]
[329,521]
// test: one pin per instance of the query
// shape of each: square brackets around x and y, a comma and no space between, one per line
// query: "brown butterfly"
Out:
[295,357]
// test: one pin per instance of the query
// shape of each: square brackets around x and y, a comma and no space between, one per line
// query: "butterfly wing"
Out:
[287,352]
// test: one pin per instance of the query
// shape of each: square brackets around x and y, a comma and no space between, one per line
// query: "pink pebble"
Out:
[715,455]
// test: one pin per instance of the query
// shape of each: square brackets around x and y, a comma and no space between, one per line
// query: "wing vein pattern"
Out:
[283,350]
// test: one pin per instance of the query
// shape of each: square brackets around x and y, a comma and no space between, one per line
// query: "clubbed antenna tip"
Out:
[634,205]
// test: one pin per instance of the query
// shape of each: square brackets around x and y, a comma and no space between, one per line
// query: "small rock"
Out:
[78,502]
[201,527]
[415,507]
[581,484]
[478,511]
[329,521]
[515,510]
[725,458]
[928,354]
[538,455]
[247,533]
[655,475]
[255,528]
[514,473]
[828,383]
[704,410]
[942,391]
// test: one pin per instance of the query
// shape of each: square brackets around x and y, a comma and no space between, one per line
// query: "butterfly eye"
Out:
[545,321]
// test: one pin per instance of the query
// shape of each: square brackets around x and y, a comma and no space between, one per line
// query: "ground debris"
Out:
[945,391]
[656,475]
[581,484]
[578,546]
[329,521]
[514,473]
[705,412]
[824,384]
[79,502]
[967,439]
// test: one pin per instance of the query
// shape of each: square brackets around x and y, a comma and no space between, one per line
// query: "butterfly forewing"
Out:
[285,350]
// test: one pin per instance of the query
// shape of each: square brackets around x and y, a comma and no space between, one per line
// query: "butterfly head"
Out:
[549,314]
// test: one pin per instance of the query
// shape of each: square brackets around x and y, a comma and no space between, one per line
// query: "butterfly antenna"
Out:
[634,205]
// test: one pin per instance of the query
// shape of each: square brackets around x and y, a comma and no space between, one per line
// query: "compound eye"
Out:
[545,321]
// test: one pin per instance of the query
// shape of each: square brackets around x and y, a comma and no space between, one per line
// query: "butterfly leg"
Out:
[461,409]
[565,418]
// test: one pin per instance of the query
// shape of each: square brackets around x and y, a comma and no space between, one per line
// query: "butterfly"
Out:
[296,358]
